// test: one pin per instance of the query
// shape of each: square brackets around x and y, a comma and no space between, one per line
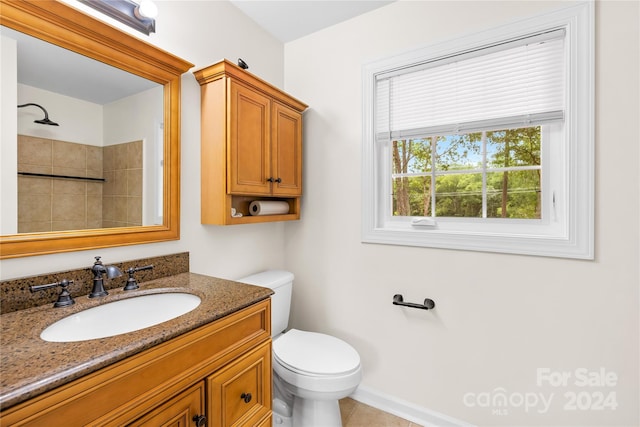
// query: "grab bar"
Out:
[428,303]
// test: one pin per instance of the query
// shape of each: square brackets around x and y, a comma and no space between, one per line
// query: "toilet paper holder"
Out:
[428,303]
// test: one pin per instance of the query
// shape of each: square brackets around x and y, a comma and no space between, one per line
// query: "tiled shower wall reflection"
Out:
[122,192]
[53,204]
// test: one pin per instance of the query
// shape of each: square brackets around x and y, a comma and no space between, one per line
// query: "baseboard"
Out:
[409,411]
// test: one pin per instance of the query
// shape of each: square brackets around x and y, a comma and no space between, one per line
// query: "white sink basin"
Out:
[120,317]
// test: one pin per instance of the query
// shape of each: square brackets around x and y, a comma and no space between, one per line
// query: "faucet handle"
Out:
[64,299]
[132,283]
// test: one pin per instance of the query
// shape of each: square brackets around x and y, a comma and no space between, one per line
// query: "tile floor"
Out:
[356,414]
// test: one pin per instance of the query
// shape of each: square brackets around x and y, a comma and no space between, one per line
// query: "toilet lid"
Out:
[315,354]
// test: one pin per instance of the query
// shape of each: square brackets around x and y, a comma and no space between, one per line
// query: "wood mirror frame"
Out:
[72,29]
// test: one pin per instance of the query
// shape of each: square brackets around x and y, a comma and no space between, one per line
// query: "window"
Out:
[485,143]
[488,174]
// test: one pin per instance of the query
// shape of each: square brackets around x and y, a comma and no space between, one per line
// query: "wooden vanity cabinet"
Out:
[238,394]
[251,145]
[206,372]
[183,410]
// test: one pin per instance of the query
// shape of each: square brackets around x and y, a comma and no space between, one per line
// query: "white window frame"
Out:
[567,227]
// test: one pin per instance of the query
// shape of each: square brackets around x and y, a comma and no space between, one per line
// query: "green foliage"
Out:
[459,193]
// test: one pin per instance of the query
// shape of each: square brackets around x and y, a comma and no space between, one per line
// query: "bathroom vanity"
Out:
[209,367]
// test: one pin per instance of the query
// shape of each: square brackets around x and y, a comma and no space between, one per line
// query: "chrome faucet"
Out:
[98,270]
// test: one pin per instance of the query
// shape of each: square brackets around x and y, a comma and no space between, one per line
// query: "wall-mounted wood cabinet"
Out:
[251,145]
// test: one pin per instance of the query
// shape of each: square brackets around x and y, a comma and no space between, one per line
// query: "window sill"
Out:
[559,246]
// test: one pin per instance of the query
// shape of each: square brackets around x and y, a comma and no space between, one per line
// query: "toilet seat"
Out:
[315,354]
[316,362]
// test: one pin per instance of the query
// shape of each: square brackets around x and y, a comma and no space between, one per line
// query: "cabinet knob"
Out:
[246,397]
[200,420]
[278,180]
[270,179]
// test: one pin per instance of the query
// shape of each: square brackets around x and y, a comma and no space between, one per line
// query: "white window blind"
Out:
[514,83]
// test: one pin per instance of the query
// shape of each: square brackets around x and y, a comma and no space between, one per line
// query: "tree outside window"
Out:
[489,174]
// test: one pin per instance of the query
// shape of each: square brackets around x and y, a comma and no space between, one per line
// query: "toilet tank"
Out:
[281,282]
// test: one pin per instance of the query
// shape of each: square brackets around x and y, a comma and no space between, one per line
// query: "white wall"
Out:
[79,121]
[201,32]
[498,318]
[8,133]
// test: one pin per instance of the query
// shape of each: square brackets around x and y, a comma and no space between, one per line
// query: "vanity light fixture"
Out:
[138,14]
[44,121]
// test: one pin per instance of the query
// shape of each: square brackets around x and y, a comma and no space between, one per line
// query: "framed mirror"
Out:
[67,28]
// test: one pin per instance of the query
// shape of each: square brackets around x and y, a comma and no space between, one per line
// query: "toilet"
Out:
[311,371]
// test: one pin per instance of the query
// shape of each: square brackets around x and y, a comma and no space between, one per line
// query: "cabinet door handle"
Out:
[200,420]
[246,397]
[278,180]
[270,179]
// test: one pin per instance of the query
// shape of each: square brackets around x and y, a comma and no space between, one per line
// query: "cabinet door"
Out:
[182,411]
[240,393]
[248,152]
[286,151]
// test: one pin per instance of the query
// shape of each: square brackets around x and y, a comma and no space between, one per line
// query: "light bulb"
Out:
[147,9]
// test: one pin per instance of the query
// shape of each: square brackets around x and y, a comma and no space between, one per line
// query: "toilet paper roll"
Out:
[264,207]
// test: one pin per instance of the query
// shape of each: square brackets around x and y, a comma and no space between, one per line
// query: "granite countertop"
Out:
[30,366]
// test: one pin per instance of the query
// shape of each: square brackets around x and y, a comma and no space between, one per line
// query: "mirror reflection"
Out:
[101,165]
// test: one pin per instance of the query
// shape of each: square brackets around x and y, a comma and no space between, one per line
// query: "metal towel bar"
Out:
[428,303]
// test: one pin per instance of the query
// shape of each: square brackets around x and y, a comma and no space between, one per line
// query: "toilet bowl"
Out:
[317,370]
[311,371]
